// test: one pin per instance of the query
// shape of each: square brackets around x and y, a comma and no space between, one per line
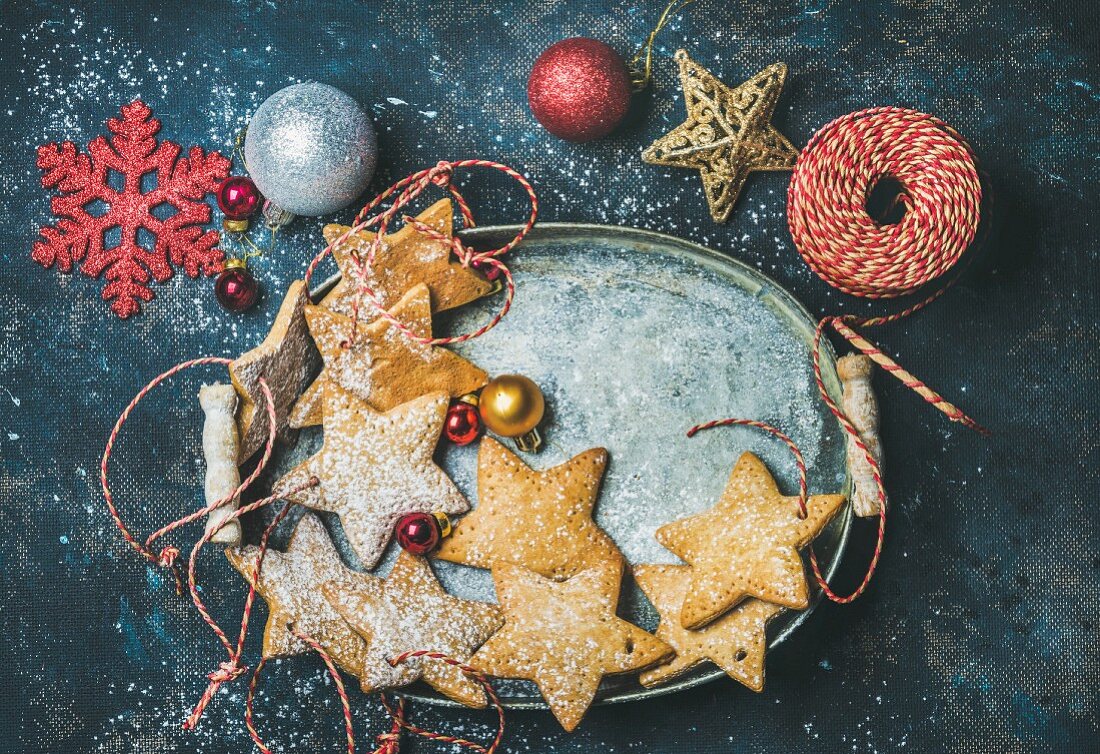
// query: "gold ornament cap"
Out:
[235,226]
[444,523]
[512,405]
[529,442]
[234,263]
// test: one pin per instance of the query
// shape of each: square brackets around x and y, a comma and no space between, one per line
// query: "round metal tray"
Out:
[635,336]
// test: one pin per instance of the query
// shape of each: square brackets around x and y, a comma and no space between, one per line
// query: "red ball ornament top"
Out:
[579,89]
[420,533]
[238,197]
[463,423]
[236,289]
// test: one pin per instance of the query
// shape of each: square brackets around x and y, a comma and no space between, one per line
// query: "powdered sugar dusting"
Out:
[409,610]
[375,467]
[291,583]
[633,348]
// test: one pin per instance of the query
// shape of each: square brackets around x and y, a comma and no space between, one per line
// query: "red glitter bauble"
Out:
[463,423]
[579,89]
[238,197]
[418,533]
[235,288]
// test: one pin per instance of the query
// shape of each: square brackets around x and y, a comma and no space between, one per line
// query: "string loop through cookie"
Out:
[803,493]
[231,668]
[441,175]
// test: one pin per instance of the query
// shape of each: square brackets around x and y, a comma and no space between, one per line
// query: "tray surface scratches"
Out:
[634,337]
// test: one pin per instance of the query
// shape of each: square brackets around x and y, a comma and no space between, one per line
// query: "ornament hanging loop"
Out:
[641,65]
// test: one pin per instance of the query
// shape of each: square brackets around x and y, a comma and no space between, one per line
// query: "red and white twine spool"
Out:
[835,174]
[941,193]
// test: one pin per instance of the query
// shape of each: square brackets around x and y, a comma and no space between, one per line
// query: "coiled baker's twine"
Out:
[941,193]
[842,164]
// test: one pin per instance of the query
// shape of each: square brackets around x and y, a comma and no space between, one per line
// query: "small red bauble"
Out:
[579,89]
[235,288]
[419,533]
[463,424]
[238,197]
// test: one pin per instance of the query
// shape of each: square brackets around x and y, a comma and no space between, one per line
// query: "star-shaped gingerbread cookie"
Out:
[406,258]
[564,636]
[375,467]
[290,582]
[736,642]
[727,134]
[383,366]
[410,611]
[747,544]
[286,359]
[541,520]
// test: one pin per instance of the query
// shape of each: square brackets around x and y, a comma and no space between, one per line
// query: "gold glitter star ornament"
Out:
[727,134]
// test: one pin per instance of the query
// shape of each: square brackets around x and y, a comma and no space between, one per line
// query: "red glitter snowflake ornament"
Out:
[89,208]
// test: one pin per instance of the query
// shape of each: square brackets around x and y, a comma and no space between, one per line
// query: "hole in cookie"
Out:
[630,646]
[741,655]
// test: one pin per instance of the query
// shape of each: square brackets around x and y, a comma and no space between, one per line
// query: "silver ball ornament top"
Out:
[311,149]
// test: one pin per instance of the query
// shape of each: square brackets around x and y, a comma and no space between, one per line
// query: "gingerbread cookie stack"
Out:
[743,568]
[380,399]
[557,576]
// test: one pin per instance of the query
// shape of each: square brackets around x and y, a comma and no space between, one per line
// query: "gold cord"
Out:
[251,248]
[640,75]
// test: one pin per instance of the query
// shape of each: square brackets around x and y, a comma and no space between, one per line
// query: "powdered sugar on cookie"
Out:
[375,467]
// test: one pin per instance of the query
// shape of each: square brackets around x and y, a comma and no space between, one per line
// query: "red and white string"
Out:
[232,668]
[407,189]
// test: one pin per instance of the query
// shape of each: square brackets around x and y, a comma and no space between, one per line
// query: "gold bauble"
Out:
[511,405]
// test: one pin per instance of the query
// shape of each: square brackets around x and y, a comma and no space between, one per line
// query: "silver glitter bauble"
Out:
[310,149]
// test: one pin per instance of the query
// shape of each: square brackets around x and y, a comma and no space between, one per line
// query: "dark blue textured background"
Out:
[980,631]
